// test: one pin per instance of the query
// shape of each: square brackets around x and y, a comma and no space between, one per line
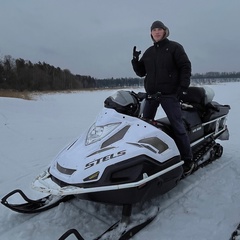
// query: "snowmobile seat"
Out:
[199,98]
[197,108]
[192,123]
[198,95]
[165,126]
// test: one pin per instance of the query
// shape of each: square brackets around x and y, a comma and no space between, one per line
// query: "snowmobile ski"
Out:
[71,232]
[236,234]
[33,206]
[121,230]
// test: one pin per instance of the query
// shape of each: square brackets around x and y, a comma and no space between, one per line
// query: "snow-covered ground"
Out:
[206,205]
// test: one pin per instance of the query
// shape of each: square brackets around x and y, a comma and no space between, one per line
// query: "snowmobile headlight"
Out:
[96,133]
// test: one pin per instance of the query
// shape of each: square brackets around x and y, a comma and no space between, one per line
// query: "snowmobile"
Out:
[123,159]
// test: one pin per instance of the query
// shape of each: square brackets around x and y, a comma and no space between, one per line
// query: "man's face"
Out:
[158,34]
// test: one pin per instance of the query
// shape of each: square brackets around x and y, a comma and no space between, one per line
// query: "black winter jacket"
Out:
[166,68]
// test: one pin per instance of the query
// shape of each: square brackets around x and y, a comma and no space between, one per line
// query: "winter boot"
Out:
[188,167]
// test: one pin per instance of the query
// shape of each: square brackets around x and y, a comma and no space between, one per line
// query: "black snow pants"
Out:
[172,108]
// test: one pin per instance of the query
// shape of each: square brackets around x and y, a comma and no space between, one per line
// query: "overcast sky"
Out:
[96,37]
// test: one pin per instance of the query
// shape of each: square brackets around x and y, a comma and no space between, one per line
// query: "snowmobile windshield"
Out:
[124,102]
[123,98]
[96,133]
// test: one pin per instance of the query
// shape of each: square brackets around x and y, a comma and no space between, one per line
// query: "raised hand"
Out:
[136,53]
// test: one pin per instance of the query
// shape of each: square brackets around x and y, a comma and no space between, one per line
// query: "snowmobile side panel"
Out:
[146,191]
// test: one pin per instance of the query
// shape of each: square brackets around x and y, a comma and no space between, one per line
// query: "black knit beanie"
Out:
[158,24]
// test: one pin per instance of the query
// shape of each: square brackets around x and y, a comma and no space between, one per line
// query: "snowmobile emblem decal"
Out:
[196,129]
[104,159]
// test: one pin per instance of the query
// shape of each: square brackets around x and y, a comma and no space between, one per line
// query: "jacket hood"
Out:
[159,24]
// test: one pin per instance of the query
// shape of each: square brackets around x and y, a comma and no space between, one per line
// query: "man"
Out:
[167,72]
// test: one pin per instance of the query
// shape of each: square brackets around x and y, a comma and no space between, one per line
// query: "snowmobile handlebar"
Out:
[141,95]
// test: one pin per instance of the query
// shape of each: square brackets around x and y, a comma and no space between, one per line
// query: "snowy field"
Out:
[205,206]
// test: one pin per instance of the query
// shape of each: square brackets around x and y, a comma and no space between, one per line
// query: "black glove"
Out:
[181,92]
[136,53]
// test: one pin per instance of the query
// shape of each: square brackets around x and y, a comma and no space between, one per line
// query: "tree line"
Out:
[24,75]
[21,75]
